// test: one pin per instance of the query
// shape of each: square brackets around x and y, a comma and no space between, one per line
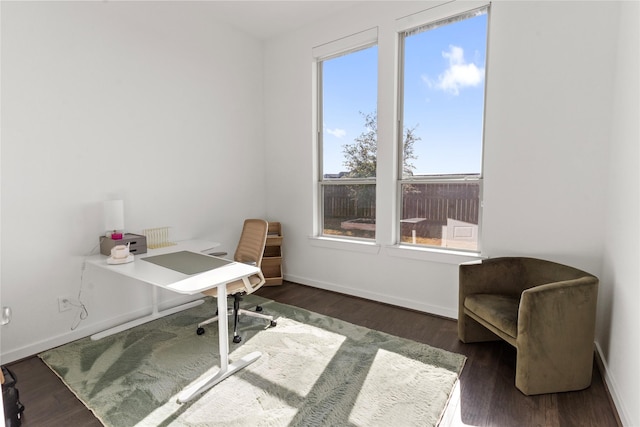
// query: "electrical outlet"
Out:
[64,304]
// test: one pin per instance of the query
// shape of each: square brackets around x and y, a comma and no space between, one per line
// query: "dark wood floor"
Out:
[488,396]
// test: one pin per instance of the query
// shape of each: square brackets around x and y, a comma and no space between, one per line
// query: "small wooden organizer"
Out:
[272,258]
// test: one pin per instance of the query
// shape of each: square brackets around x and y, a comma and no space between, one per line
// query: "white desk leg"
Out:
[226,369]
[155,314]
[223,328]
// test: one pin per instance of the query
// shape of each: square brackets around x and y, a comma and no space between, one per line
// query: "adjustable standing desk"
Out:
[176,281]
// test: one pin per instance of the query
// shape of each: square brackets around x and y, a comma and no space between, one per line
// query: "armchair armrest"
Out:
[556,331]
[560,314]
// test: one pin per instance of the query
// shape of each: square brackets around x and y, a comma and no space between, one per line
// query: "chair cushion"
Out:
[501,311]
[235,287]
[238,285]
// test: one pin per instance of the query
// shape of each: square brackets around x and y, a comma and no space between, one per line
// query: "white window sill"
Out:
[446,256]
[345,244]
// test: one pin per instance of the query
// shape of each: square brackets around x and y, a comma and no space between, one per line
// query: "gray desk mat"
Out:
[187,262]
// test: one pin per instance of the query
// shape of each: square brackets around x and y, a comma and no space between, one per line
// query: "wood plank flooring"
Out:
[488,396]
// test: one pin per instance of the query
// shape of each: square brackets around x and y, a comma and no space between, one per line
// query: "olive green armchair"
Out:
[546,310]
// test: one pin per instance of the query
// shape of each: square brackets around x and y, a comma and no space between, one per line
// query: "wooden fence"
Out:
[433,202]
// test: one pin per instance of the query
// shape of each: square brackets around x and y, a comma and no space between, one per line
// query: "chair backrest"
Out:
[252,241]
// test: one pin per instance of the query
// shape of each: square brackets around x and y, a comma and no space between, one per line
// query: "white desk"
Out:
[175,281]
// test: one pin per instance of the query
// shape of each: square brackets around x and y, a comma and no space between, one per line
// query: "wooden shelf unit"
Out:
[272,258]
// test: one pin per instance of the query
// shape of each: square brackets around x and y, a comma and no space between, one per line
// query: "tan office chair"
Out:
[250,250]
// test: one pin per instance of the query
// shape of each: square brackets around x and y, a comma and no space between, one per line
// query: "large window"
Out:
[442,86]
[347,137]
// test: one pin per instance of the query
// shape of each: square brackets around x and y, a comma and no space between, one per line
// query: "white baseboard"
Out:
[33,349]
[376,296]
[612,388]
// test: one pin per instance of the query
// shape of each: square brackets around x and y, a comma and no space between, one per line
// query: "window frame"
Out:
[345,46]
[413,26]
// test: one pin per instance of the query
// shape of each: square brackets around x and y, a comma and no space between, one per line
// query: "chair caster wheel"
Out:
[237,339]
[273,323]
[200,331]
[258,308]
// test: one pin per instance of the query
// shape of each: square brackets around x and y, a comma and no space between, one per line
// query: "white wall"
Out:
[548,139]
[548,130]
[618,334]
[153,103]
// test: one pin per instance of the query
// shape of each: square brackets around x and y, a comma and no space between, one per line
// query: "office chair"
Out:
[249,251]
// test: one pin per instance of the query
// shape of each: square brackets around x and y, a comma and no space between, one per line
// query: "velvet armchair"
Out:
[546,310]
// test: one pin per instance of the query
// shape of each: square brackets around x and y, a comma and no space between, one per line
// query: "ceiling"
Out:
[265,19]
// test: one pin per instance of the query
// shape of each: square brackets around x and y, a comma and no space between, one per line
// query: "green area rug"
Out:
[314,371]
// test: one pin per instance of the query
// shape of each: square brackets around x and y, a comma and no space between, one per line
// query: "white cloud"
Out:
[338,133]
[458,75]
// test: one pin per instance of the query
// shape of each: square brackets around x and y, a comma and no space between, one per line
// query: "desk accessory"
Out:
[187,262]
[158,237]
[114,218]
[120,255]
[115,235]
[137,243]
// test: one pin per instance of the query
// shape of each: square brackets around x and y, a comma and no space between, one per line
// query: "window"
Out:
[347,122]
[441,115]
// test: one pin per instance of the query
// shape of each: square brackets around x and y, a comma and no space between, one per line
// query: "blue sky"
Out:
[443,98]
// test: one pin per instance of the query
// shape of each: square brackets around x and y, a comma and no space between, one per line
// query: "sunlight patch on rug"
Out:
[392,387]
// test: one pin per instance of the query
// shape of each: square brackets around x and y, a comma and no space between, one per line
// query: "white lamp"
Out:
[114,218]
